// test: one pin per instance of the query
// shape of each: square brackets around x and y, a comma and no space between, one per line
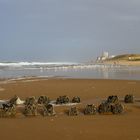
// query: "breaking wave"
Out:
[67,69]
[19,64]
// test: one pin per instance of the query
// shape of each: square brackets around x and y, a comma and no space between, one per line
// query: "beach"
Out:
[61,126]
[69,70]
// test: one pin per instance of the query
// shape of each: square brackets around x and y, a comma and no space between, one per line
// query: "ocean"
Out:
[68,70]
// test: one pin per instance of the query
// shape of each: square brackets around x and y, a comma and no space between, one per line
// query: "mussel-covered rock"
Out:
[43,100]
[30,101]
[13,100]
[73,111]
[8,110]
[117,108]
[62,100]
[30,106]
[76,99]
[113,99]
[90,109]
[48,110]
[129,98]
[30,110]
[104,107]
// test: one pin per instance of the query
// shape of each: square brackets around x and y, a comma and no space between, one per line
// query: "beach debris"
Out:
[111,105]
[90,109]
[30,106]
[76,99]
[62,100]
[8,109]
[48,110]
[19,101]
[43,99]
[73,111]
[129,98]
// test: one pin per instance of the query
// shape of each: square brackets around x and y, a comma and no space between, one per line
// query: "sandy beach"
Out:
[61,126]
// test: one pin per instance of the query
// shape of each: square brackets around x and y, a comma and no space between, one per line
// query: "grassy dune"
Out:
[127,57]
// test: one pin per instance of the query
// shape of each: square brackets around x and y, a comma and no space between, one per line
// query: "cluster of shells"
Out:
[33,106]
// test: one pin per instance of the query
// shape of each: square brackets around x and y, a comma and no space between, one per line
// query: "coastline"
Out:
[85,70]
[72,128]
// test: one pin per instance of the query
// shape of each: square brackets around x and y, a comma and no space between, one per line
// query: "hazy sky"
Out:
[67,30]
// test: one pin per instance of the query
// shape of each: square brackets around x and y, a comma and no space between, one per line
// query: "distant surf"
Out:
[18,64]
[69,70]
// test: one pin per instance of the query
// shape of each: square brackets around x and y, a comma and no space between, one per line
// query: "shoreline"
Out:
[89,71]
[22,78]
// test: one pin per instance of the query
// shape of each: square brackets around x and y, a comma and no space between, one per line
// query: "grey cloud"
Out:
[68,29]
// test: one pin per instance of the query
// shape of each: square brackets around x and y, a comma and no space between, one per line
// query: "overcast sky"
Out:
[67,30]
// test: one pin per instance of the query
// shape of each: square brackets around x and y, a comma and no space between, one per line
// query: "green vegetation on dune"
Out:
[127,57]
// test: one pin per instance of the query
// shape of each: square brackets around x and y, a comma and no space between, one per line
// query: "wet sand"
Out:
[61,126]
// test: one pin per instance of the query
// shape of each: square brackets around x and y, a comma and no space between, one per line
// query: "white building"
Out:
[105,55]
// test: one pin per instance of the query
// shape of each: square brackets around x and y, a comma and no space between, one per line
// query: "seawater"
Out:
[69,70]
